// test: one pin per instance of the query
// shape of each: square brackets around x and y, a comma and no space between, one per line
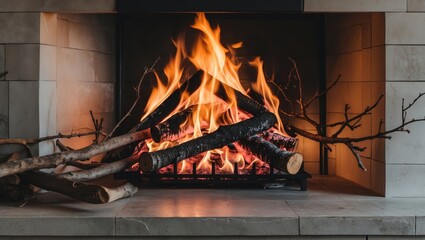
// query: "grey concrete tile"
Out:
[105,21]
[75,65]
[357,225]
[353,217]
[396,238]
[23,61]
[378,29]
[197,238]
[19,27]
[2,60]
[53,214]
[47,62]
[91,37]
[47,115]
[415,6]
[62,38]
[48,28]
[420,225]
[87,66]
[4,109]
[404,148]
[23,109]
[206,217]
[104,67]
[351,36]
[87,6]
[96,96]
[354,6]
[402,28]
[405,180]
[405,63]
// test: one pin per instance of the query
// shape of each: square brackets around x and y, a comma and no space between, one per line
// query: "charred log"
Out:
[171,127]
[171,103]
[161,112]
[81,191]
[286,161]
[245,103]
[152,161]
[282,142]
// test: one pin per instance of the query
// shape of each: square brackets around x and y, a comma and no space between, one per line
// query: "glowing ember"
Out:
[208,111]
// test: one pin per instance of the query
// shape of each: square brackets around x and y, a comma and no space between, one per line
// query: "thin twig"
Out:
[138,89]
[30,141]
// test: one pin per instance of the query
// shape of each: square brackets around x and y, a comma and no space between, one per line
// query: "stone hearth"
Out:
[332,207]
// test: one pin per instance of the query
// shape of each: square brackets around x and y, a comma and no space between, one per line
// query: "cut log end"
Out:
[294,163]
[145,162]
[156,134]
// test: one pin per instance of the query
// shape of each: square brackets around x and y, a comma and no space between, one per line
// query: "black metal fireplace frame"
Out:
[295,7]
[168,6]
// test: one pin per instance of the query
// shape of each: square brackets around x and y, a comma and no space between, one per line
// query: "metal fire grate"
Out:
[273,179]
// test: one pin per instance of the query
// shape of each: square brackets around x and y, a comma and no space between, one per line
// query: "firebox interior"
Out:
[275,38]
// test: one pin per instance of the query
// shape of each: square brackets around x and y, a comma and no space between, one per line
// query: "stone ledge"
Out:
[65,6]
[355,5]
[331,207]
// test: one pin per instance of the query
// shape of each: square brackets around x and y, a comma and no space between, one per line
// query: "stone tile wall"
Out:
[45,91]
[405,78]
[354,50]
[85,72]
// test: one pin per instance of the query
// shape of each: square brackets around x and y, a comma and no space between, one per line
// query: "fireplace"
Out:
[273,37]
[360,44]
[62,59]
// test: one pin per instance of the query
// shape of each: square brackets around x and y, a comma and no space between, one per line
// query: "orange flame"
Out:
[210,112]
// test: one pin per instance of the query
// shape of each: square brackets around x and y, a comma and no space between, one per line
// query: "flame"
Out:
[209,111]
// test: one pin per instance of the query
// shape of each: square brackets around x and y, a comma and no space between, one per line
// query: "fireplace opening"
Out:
[265,45]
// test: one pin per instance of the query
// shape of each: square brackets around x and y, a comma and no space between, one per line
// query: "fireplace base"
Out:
[332,207]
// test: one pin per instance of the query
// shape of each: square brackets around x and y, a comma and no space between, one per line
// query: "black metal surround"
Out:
[126,7]
[240,6]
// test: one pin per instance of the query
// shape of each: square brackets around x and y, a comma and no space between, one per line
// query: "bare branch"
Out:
[138,90]
[355,150]
[30,141]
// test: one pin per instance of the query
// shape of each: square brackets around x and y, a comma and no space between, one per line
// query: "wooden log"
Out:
[159,114]
[170,128]
[281,141]
[171,103]
[245,103]
[152,161]
[15,193]
[53,160]
[100,171]
[286,161]
[82,191]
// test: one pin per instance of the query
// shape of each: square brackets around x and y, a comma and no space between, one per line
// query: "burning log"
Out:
[286,161]
[100,171]
[53,160]
[161,112]
[171,127]
[281,141]
[82,191]
[152,161]
[244,102]
[171,103]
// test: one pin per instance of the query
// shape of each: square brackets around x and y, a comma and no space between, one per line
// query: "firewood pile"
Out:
[179,126]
